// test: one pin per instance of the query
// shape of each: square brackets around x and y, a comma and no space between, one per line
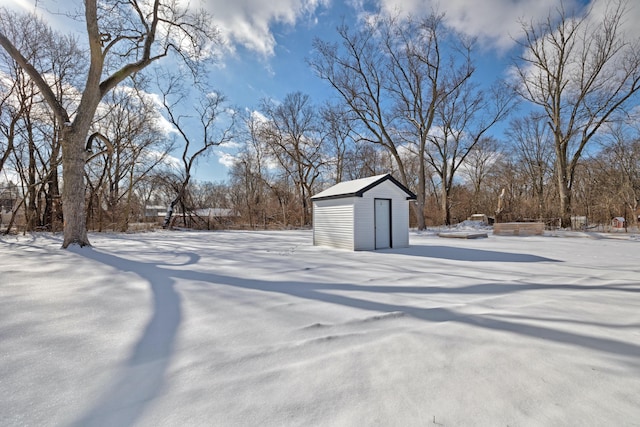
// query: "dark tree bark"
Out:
[134,43]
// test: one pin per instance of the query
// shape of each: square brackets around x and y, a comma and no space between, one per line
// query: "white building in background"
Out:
[364,214]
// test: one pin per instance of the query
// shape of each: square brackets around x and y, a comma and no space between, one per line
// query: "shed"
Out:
[617,222]
[363,214]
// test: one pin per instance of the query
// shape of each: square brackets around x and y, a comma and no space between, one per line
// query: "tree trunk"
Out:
[178,199]
[14,213]
[422,190]
[31,209]
[564,192]
[73,191]
[51,210]
[445,204]
[124,223]
[167,217]
[540,197]
[565,203]
[418,209]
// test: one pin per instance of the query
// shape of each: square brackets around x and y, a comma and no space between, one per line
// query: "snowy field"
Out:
[263,329]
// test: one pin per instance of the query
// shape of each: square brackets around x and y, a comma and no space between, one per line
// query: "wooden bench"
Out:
[518,228]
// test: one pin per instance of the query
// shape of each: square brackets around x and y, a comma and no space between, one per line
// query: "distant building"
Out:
[154,212]
[618,223]
[215,212]
[8,198]
[578,222]
[10,201]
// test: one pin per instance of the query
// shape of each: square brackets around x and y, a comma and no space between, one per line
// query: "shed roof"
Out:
[358,187]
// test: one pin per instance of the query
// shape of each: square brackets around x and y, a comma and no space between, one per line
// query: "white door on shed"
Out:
[382,215]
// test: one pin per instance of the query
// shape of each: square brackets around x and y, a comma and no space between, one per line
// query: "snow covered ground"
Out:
[263,329]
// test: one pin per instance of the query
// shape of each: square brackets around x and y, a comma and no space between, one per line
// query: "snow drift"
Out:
[262,328]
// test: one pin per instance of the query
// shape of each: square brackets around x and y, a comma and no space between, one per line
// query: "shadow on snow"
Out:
[142,377]
[466,254]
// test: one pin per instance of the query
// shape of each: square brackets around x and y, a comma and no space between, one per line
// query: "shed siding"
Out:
[333,223]
[400,223]
[364,237]
[364,234]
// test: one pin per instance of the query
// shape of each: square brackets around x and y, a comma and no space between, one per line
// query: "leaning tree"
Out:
[123,38]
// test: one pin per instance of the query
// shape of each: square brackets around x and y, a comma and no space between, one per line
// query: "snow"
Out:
[349,187]
[262,328]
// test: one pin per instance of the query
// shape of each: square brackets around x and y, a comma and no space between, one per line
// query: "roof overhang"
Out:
[360,192]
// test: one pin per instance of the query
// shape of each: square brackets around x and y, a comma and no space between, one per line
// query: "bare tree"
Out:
[211,125]
[292,133]
[136,145]
[248,190]
[395,75]
[251,184]
[580,71]
[463,119]
[337,128]
[618,164]
[357,72]
[365,160]
[9,117]
[532,146]
[478,167]
[423,79]
[123,38]
[27,123]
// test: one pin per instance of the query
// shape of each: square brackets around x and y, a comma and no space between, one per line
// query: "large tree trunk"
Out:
[178,199]
[418,206]
[564,193]
[445,204]
[73,191]
[422,190]
[169,215]
[52,214]
[419,211]
[31,209]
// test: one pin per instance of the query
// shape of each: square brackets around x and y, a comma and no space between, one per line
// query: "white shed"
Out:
[364,214]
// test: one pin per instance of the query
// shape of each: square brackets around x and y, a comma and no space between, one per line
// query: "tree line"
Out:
[94,136]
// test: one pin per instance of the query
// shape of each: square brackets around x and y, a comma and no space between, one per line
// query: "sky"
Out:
[182,328]
[267,42]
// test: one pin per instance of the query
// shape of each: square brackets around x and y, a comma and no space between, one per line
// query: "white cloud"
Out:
[259,117]
[248,22]
[25,5]
[496,23]
[630,20]
[572,67]
[172,162]
[226,159]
